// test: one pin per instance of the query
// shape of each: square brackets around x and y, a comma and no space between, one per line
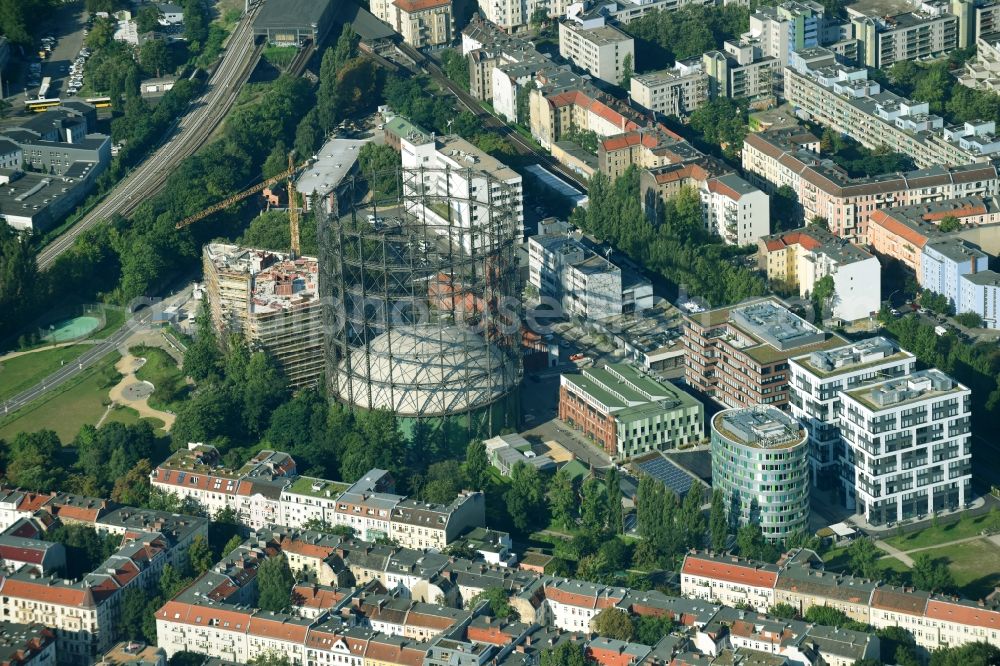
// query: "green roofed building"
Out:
[629,413]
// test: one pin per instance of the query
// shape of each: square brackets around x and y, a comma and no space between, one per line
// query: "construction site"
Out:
[420,299]
[271,299]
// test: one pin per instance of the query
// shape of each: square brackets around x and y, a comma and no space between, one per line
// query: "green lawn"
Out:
[162,372]
[21,373]
[66,409]
[933,536]
[974,564]
[113,320]
[128,416]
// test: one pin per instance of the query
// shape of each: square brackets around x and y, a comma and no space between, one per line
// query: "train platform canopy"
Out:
[294,21]
[369,28]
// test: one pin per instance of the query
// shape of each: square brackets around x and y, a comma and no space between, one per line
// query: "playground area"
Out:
[72,329]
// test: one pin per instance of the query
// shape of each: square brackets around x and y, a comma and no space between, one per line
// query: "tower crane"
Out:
[293,211]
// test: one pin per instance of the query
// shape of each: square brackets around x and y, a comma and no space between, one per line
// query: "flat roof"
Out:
[333,162]
[315,487]
[628,393]
[918,386]
[283,13]
[759,427]
[852,357]
[29,194]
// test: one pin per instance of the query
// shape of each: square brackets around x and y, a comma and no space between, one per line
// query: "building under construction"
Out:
[272,301]
[422,310]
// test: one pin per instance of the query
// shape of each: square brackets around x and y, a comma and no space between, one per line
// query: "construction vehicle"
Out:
[293,211]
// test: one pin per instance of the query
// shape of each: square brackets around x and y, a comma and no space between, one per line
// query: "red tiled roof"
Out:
[203,616]
[411,6]
[734,572]
[884,219]
[964,211]
[311,596]
[973,616]
[715,185]
[22,554]
[50,594]
[278,630]
[299,547]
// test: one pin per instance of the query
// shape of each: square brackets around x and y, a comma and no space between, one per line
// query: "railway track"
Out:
[186,135]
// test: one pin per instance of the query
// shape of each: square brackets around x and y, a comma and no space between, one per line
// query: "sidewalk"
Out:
[896,552]
[10,355]
[127,367]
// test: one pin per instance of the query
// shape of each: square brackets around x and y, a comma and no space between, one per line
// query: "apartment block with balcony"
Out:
[584,283]
[902,233]
[983,71]
[908,447]
[791,157]
[887,35]
[741,71]
[787,27]
[734,210]
[601,51]
[801,257]
[946,262]
[817,380]
[474,182]
[739,354]
[980,293]
[673,92]
[423,22]
[847,101]
[627,412]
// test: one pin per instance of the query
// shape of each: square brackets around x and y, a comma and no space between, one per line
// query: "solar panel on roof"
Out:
[668,474]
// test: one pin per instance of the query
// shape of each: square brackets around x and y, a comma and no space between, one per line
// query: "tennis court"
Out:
[71,329]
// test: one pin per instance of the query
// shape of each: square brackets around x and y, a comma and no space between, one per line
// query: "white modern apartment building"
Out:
[456,187]
[983,71]
[601,51]
[887,36]
[784,28]
[845,100]
[817,381]
[735,210]
[672,92]
[802,257]
[584,283]
[513,14]
[980,293]
[908,447]
[741,70]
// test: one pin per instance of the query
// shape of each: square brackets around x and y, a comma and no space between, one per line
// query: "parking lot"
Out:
[67,32]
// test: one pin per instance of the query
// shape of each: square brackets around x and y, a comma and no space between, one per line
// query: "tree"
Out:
[33,461]
[628,69]
[562,499]
[614,623]
[523,103]
[154,57]
[200,555]
[525,498]
[784,611]
[969,319]
[717,522]
[265,388]
[567,653]
[147,19]
[346,47]
[823,293]
[649,629]
[234,542]
[477,465]
[863,557]
[275,581]
[594,507]
[971,654]
[380,165]
[832,617]
[455,67]
[270,658]
[196,24]
[949,223]
[930,574]
[614,494]
[443,482]
[133,488]
[498,603]
[133,609]
[750,540]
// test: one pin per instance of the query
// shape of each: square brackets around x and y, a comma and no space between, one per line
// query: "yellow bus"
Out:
[39,105]
[100,102]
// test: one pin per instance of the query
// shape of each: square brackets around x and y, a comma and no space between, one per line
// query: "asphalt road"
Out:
[68,31]
[182,140]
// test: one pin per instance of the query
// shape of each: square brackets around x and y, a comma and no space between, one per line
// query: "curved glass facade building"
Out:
[760,462]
